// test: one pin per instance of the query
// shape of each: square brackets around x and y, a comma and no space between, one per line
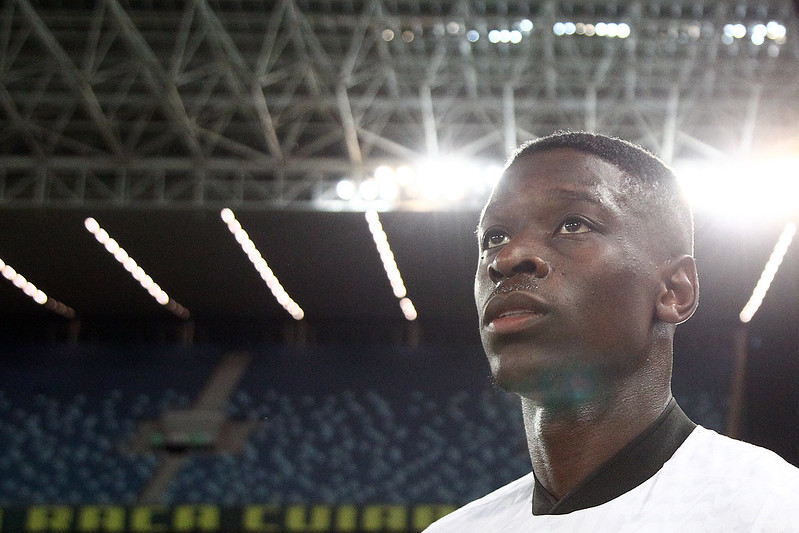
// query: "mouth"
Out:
[512,312]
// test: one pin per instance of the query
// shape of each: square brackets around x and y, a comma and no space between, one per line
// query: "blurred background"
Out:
[237,243]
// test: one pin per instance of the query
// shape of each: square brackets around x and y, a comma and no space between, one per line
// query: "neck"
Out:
[567,443]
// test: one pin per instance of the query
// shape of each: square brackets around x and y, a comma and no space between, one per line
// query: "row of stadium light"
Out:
[36,294]
[122,257]
[135,270]
[773,31]
[758,33]
[600,29]
[381,243]
[389,264]
[772,265]
[260,264]
[248,247]
[447,180]
[522,28]
[710,185]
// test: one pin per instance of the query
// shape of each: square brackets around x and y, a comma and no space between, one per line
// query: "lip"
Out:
[512,312]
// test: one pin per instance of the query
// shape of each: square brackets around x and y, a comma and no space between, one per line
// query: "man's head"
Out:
[585,267]
[651,186]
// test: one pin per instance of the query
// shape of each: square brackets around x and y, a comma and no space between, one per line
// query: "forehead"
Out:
[558,175]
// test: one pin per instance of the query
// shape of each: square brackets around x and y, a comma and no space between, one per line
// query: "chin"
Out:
[553,387]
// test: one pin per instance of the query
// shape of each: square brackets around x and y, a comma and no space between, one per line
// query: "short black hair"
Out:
[651,184]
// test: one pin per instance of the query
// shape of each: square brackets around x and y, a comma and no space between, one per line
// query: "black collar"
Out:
[632,465]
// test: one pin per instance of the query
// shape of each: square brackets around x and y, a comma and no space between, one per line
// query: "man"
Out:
[585,270]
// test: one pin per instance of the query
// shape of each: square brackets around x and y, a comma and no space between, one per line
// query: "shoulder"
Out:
[502,507]
[713,454]
[732,481]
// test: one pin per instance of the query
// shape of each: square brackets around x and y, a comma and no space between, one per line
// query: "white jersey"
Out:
[711,483]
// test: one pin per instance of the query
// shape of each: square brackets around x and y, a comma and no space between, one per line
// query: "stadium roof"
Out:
[152,116]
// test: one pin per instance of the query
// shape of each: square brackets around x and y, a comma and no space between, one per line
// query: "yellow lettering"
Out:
[262,518]
[196,518]
[148,518]
[347,518]
[424,515]
[297,518]
[49,518]
[384,518]
[101,518]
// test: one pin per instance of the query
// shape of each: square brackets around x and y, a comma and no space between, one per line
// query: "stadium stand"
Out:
[334,425]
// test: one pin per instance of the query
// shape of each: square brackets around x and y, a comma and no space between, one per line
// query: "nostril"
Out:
[527,267]
[542,268]
[532,266]
[494,274]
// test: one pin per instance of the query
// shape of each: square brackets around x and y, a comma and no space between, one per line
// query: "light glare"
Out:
[345,189]
[729,188]
[101,235]
[9,273]
[408,309]
[91,225]
[121,255]
[775,30]
[29,289]
[112,246]
[369,189]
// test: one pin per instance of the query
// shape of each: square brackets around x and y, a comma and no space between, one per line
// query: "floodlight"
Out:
[30,290]
[345,189]
[260,265]
[369,189]
[129,264]
[773,264]
[389,264]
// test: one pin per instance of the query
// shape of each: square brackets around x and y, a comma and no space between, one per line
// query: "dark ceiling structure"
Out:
[153,115]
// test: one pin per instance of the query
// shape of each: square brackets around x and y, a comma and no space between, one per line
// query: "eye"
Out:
[571,226]
[494,238]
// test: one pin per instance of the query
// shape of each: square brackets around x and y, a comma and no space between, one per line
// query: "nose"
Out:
[513,260]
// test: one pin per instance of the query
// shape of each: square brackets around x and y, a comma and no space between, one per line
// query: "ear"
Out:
[679,290]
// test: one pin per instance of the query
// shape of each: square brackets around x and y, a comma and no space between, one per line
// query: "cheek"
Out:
[623,308]
[608,298]
[482,285]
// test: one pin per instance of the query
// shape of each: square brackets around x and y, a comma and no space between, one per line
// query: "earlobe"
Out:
[679,292]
